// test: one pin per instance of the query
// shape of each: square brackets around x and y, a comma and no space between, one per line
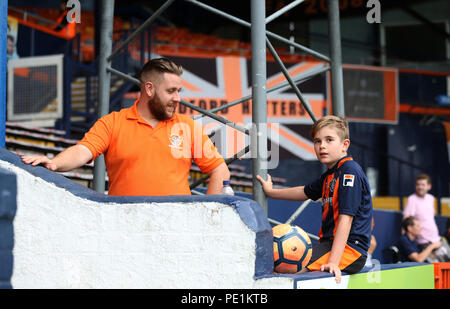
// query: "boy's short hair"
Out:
[408,221]
[423,177]
[339,123]
[154,68]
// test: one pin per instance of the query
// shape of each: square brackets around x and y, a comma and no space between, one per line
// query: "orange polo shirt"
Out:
[142,160]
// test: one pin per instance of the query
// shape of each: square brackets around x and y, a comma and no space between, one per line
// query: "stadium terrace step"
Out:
[79,95]
[39,138]
[27,147]
[82,178]
[15,125]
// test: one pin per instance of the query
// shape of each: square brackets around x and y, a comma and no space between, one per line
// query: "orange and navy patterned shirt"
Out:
[344,189]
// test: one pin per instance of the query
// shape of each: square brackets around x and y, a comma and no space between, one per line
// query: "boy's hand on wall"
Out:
[39,159]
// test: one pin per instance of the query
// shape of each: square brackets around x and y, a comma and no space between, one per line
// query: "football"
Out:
[292,248]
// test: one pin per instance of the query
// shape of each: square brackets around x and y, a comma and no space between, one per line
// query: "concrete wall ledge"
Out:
[68,236]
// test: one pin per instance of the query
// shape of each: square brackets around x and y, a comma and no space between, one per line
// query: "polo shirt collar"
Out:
[331,170]
[133,114]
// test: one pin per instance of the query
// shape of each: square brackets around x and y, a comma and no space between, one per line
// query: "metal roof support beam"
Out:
[104,83]
[305,103]
[285,85]
[259,102]
[141,28]
[298,211]
[271,34]
[216,117]
[337,80]
[283,10]
[124,76]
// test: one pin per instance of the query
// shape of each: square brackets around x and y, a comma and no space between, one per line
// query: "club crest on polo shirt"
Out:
[349,180]
[175,141]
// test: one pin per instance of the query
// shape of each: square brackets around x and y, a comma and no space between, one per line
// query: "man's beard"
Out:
[158,109]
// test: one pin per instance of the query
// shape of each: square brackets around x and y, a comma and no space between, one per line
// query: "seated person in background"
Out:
[11,48]
[408,246]
[420,205]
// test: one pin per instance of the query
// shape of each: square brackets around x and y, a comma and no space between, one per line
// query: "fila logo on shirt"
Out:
[349,180]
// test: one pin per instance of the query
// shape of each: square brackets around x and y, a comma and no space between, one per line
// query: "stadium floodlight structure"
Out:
[260,39]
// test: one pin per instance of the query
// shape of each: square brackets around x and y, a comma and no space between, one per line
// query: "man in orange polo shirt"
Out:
[148,148]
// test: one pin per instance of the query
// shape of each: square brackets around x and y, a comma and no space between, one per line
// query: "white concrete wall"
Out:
[64,241]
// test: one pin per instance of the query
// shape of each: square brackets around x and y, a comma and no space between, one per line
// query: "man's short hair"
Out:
[423,177]
[339,123]
[408,221]
[154,69]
